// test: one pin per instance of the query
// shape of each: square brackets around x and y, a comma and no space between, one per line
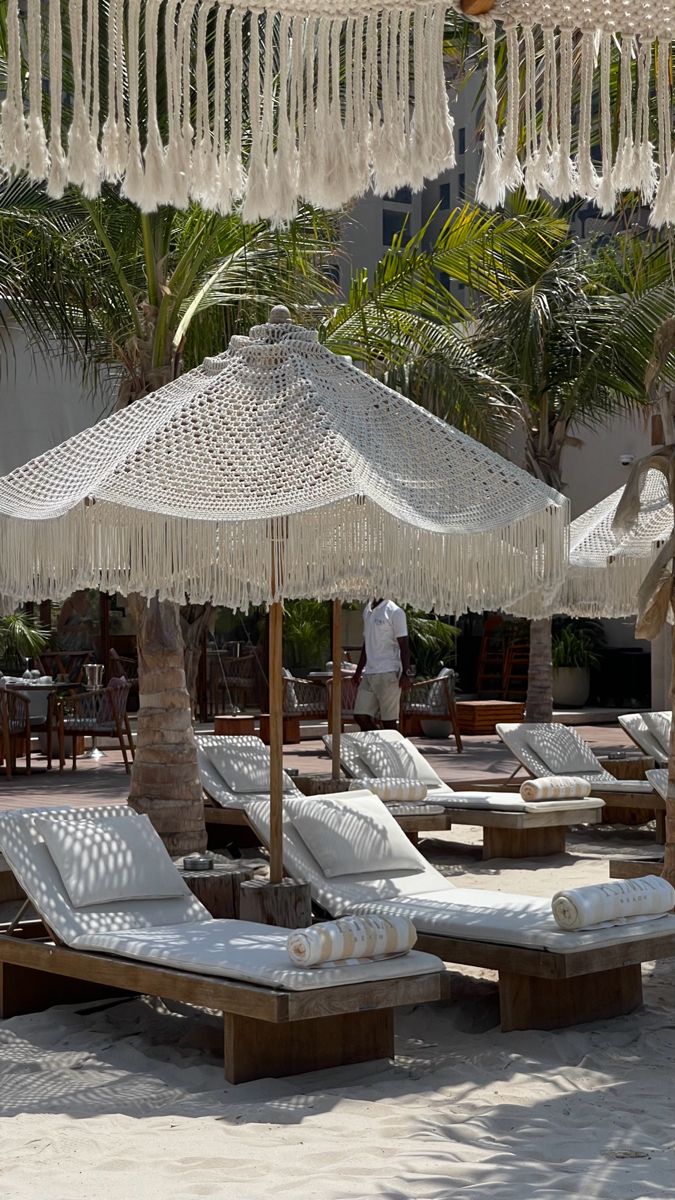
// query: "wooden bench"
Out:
[267,1031]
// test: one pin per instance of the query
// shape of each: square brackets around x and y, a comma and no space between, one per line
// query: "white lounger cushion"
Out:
[436,906]
[512,802]
[658,724]
[102,861]
[247,952]
[34,867]
[518,739]
[350,836]
[561,755]
[243,761]
[659,781]
[636,728]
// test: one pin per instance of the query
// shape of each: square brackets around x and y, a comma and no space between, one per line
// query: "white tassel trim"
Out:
[328,100]
[559,105]
[346,549]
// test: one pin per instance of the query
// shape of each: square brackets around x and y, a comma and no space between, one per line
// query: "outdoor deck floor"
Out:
[104,781]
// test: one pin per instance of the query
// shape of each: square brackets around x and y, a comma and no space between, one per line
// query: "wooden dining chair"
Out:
[15,711]
[99,713]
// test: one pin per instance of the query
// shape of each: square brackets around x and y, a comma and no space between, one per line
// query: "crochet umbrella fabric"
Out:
[279,470]
[607,565]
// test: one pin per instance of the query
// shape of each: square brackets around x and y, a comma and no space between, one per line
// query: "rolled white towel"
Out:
[349,938]
[617,901]
[556,787]
[391,789]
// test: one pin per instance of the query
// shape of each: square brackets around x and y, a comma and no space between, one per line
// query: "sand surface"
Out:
[127,1100]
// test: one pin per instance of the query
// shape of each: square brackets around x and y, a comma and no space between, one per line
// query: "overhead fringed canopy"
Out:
[588,109]
[608,564]
[228,102]
[223,102]
[278,470]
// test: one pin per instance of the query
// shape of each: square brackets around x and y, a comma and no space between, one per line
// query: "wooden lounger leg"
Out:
[660,826]
[524,843]
[527,1002]
[25,990]
[261,1049]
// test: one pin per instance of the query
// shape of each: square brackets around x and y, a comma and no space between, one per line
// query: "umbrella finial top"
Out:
[279,315]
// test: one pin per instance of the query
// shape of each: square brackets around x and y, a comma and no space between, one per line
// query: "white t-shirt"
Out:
[382,626]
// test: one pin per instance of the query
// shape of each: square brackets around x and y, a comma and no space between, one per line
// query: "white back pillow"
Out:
[387,760]
[560,752]
[244,763]
[101,861]
[352,836]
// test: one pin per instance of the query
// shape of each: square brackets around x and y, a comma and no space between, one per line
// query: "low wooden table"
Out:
[233,724]
[320,785]
[481,716]
[628,766]
[291,729]
[218,889]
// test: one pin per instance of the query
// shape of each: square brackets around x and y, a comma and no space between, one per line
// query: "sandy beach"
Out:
[127,1099]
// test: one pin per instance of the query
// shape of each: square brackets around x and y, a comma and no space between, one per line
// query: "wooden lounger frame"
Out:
[267,1031]
[541,989]
[623,799]
[505,834]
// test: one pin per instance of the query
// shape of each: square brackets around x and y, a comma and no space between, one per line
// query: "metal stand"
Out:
[94,752]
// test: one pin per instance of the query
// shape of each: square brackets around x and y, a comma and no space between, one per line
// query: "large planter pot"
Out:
[571,686]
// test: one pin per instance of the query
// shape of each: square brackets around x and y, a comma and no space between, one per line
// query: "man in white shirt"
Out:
[384,666]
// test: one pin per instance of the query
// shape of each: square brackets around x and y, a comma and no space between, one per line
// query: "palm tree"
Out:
[144,296]
[566,328]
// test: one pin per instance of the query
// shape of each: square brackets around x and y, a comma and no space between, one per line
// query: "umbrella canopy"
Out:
[279,470]
[606,565]
[578,75]
[228,102]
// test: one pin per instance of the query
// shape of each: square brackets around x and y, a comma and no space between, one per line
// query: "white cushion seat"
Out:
[245,951]
[436,906]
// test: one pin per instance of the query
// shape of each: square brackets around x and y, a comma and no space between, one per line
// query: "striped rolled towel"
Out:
[351,938]
[614,902]
[556,787]
[391,789]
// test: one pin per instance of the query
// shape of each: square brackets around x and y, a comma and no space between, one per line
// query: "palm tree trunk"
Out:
[165,780]
[669,850]
[539,705]
[195,621]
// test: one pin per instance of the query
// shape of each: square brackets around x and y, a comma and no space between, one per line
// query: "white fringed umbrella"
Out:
[279,470]
[270,102]
[607,566]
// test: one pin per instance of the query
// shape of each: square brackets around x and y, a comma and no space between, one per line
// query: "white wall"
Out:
[42,402]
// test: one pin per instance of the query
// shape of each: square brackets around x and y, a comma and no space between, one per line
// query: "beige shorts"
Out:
[379,696]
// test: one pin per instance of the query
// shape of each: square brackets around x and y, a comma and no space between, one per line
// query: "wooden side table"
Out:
[233,724]
[218,889]
[291,729]
[630,766]
[320,785]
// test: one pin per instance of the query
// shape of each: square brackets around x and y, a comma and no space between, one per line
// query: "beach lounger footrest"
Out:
[255,1049]
[530,1002]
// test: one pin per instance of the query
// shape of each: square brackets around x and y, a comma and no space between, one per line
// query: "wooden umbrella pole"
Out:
[336,692]
[276,742]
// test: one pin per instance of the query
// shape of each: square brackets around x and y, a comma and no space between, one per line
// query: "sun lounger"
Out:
[225,809]
[512,828]
[552,749]
[278,1019]
[548,978]
[650,732]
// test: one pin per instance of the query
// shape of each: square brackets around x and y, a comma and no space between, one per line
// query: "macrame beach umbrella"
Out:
[227,102]
[278,470]
[607,564]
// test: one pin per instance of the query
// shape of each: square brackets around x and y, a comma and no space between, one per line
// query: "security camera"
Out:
[626,459]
